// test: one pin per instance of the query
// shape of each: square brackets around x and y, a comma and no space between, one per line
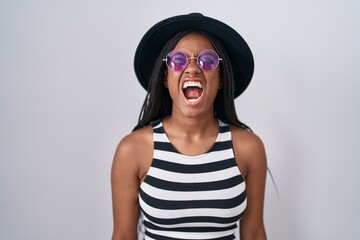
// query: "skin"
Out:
[192,129]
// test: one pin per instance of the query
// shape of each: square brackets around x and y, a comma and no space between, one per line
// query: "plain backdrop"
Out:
[68,94]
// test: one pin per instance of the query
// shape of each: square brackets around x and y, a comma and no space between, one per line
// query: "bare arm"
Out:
[251,157]
[125,185]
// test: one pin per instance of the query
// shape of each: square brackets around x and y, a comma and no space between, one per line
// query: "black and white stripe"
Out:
[192,197]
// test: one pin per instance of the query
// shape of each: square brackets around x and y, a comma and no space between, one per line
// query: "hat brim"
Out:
[156,37]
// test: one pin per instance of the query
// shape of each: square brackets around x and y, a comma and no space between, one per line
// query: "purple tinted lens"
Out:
[176,60]
[208,60]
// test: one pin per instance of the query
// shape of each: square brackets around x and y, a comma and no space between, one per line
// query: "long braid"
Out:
[158,103]
[224,104]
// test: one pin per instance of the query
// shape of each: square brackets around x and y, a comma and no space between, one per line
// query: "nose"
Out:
[192,68]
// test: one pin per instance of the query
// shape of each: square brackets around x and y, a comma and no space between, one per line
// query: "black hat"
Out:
[156,37]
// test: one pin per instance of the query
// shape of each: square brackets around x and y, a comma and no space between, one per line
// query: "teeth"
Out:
[192,84]
[193,100]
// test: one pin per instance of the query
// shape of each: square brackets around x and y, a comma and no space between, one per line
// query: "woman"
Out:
[190,169]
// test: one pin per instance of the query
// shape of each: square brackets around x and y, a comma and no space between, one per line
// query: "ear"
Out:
[220,84]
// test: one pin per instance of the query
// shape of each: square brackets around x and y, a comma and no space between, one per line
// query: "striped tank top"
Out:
[192,197]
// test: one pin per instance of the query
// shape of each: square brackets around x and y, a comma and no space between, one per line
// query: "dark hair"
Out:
[158,103]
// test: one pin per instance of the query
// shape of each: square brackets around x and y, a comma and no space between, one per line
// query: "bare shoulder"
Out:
[249,149]
[246,140]
[136,140]
[133,147]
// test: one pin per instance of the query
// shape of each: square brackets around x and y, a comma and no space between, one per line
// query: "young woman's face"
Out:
[193,90]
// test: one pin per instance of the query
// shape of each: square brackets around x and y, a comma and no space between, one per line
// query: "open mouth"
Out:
[192,90]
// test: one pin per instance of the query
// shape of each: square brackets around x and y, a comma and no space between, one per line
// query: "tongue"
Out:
[192,92]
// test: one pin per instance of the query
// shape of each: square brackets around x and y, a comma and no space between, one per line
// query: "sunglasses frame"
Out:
[188,59]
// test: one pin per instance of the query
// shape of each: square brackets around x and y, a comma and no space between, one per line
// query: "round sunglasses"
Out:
[207,60]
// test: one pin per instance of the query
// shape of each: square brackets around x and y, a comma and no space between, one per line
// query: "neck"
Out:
[191,126]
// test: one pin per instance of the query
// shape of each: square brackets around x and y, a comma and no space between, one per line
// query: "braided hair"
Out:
[158,103]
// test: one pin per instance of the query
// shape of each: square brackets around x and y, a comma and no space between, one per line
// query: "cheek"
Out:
[172,83]
[214,79]
[172,79]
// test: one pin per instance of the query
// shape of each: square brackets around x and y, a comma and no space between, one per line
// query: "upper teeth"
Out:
[192,84]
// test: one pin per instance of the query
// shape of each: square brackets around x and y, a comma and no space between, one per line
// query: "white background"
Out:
[68,94]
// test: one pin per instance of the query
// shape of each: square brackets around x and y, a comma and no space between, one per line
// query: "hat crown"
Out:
[196,14]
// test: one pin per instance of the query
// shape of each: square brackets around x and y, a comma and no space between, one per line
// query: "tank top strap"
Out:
[156,124]
[224,132]
[160,138]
